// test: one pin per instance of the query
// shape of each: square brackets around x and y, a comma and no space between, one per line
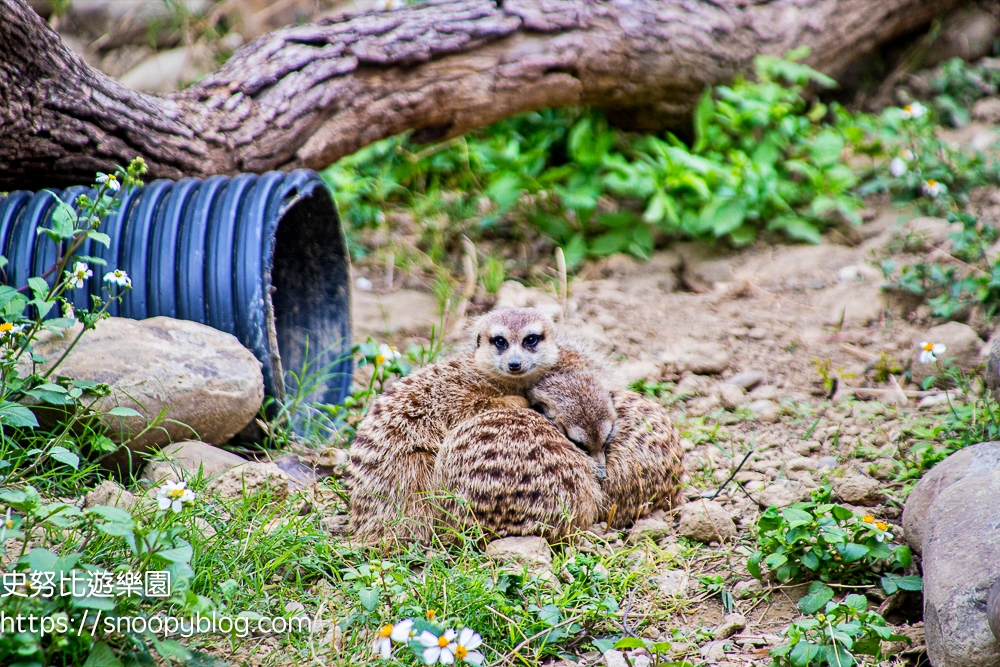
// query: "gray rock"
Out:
[730,625]
[532,553]
[672,583]
[634,371]
[993,367]
[961,561]
[963,346]
[731,396]
[615,658]
[987,110]
[857,490]
[183,460]
[650,527]
[706,521]
[765,411]
[109,493]
[714,651]
[827,463]
[744,590]
[697,356]
[747,379]
[973,460]
[778,495]
[208,385]
[252,478]
[703,266]
[164,72]
[966,34]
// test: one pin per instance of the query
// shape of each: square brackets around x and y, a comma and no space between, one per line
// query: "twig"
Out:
[730,478]
[563,283]
[628,606]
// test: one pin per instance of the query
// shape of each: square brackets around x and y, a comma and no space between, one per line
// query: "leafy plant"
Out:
[821,540]
[836,634]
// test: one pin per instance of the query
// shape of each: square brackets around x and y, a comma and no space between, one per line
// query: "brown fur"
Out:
[512,473]
[643,461]
[393,453]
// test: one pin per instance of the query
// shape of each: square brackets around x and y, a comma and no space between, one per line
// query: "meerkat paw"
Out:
[509,402]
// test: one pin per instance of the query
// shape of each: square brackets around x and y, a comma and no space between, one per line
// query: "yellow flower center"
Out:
[868,518]
[5,327]
[931,182]
[431,613]
[385,631]
[461,652]
[175,493]
[882,525]
[379,359]
[929,347]
[9,523]
[442,641]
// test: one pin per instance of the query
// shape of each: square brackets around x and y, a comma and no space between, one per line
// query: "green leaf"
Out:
[99,237]
[63,455]
[858,602]
[369,597]
[170,648]
[505,191]
[575,251]
[796,517]
[819,594]
[180,554]
[903,556]
[16,415]
[704,113]
[550,614]
[110,513]
[728,217]
[122,411]
[63,220]
[101,655]
[826,148]
[39,288]
[851,551]
[630,642]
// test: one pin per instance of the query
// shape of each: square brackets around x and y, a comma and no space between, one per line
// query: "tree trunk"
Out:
[306,95]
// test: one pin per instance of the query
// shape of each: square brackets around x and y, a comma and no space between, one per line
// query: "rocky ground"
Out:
[773,350]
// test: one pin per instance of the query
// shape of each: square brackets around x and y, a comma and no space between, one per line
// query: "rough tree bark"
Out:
[304,96]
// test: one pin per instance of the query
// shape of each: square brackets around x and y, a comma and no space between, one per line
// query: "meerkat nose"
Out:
[514,366]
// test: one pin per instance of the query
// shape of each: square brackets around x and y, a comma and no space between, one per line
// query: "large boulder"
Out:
[206,385]
[185,460]
[961,561]
[969,461]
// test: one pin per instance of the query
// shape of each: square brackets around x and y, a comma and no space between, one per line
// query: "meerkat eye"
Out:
[499,342]
[531,340]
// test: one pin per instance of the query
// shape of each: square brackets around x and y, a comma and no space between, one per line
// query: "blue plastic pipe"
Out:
[261,257]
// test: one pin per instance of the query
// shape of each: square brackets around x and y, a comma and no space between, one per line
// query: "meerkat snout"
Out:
[515,344]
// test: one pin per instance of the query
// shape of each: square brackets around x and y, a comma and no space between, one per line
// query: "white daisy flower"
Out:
[929,352]
[118,277]
[897,167]
[906,154]
[933,188]
[80,273]
[110,180]
[399,633]
[915,110]
[389,5]
[438,649]
[68,310]
[8,523]
[467,641]
[387,353]
[173,495]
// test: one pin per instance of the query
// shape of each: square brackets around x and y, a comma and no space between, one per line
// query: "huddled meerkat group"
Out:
[518,433]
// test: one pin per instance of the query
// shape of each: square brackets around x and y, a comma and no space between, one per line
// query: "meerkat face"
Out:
[580,406]
[515,344]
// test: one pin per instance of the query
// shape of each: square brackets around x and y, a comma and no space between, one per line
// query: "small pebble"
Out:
[730,625]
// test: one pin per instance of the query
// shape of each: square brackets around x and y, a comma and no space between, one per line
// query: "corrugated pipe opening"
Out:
[261,257]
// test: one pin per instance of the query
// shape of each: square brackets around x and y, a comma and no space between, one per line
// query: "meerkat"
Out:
[644,457]
[510,472]
[579,404]
[393,454]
